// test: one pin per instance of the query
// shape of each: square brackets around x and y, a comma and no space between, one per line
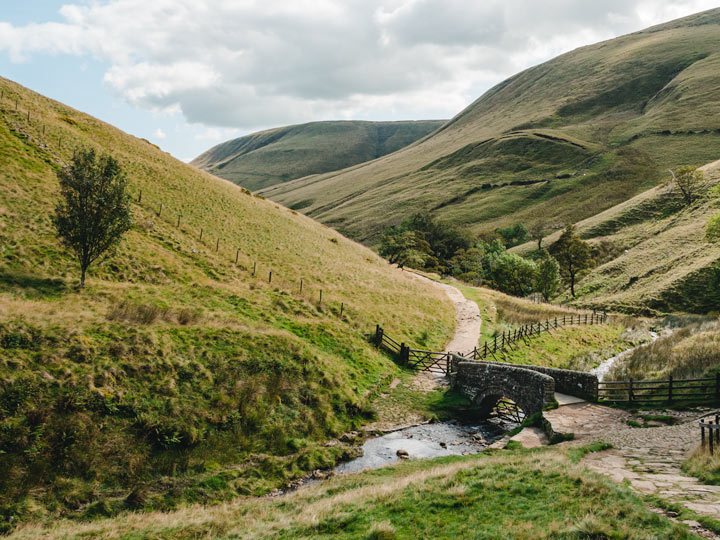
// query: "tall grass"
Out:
[689,351]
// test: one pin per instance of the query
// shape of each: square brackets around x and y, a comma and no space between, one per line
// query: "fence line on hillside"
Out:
[441,362]
[300,288]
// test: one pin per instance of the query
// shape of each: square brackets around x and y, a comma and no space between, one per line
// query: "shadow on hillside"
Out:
[33,286]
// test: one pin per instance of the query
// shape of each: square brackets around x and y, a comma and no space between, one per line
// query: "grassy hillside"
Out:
[176,363]
[661,261]
[529,495]
[558,142]
[278,155]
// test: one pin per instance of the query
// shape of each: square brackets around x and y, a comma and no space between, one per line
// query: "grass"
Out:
[704,466]
[538,494]
[691,351]
[263,159]
[177,372]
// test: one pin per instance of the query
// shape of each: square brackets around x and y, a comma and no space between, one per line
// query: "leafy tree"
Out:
[467,265]
[404,247]
[513,235]
[688,181]
[513,274]
[573,255]
[537,233]
[547,276]
[94,210]
[444,239]
[712,229]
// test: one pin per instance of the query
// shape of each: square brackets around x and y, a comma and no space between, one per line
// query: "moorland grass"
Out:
[177,373]
[520,494]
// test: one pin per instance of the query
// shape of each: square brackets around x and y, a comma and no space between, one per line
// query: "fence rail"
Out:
[524,333]
[664,391]
[713,438]
[441,362]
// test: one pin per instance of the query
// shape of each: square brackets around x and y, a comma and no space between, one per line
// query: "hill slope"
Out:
[558,142]
[177,364]
[660,261]
[277,155]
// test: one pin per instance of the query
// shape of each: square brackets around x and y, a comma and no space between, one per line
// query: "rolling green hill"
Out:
[660,259]
[558,142]
[180,362]
[278,155]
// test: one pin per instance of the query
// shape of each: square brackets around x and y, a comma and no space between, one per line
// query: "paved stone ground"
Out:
[650,459]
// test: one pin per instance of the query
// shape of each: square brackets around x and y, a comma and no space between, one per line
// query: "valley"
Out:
[501,326]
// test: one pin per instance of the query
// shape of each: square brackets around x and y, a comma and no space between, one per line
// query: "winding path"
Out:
[468,319]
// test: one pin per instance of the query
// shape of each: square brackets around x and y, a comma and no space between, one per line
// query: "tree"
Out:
[513,235]
[573,255]
[94,210]
[404,247]
[547,276]
[688,181]
[513,274]
[712,229]
[537,233]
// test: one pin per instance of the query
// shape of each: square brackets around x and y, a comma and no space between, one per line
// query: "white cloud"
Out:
[251,63]
[159,134]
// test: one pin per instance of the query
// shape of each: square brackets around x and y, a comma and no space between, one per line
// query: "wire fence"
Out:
[47,137]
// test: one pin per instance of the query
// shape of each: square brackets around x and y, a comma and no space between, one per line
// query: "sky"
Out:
[188,74]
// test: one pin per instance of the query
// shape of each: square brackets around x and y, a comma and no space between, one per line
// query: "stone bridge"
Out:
[532,388]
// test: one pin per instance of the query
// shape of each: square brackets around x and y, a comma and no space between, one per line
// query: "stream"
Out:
[425,441]
[604,368]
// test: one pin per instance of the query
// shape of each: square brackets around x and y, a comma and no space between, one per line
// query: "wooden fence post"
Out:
[711,438]
[301,285]
[342,306]
[320,302]
[160,210]
[702,434]
[485,351]
[201,233]
[670,389]
[237,254]
[717,387]
[217,245]
[378,336]
[717,431]
[178,223]
[140,197]
[630,391]
[28,117]
[270,277]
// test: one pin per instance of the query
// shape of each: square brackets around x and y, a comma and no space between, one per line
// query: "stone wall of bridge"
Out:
[484,383]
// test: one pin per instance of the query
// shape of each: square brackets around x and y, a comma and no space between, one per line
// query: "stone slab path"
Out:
[649,459]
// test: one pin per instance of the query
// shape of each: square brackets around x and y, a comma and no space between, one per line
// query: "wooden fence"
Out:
[656,392]
[713,433]
[524,333]
[436,362]
[440,362]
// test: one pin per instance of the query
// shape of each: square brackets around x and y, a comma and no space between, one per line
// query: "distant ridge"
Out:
[278,155]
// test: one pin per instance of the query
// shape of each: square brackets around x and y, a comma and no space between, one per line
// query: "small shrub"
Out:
[138,313]
[382,531]
[68,120]
[188,316]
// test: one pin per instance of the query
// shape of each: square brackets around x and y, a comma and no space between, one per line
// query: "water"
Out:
[604,368]
[422,442]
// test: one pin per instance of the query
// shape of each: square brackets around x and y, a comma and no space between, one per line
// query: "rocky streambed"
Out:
[424,441]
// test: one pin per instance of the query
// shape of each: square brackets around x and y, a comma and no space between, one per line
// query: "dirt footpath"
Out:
[468,320]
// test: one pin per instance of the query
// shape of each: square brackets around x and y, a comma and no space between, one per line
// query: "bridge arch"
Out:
[486,383]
